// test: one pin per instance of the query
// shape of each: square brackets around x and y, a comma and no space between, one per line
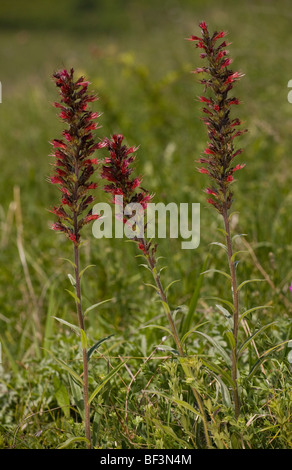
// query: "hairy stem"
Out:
[232,269]
[84,352]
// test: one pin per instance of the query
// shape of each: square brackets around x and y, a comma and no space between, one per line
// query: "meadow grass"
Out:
[137,59]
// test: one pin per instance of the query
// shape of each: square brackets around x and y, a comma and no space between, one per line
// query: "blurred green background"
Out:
[137,59]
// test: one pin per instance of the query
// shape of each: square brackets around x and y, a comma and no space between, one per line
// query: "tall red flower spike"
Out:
[117,170]
[74,165]
[219,156]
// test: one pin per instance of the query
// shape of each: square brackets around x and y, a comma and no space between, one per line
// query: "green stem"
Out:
[84,352]
[232,269]
[80,315]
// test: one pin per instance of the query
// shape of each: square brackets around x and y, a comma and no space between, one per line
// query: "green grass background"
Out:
[138,61]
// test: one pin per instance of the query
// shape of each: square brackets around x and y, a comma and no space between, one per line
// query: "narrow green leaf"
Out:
[77,395]
[222,231]
[49,326]
[141,256]
[167,430]
[169,285]
[75,328]
[223,301]
[216,345]
[253,310]
[188,333]
[239,235]
[266,353]
[96,346]
[83,339]
[71,441]
[248,281]
[62,396]
[252,337]
[232,214]
[96,305]
[96,428]
[264,356]
[218,370]
[182,403]
[145,266]
[230,338]
[69,261]
[237,253]
[166,307]
[73,295]
[85,269]
[163,328]
[72,280]
[220,244]
[10,357]
[224,390]
[151,285]
[105,381]
[66,367]
[217,271]
[226,314]
[167,348]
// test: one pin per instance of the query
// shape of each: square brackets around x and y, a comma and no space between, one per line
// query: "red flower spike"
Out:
[203,170]
[210,191]
[220,127]
[220,35]
[238,167]
[117,170]
[194,38]
[72,154]
[210,201]
[203,26]
[141,247]
[204,99]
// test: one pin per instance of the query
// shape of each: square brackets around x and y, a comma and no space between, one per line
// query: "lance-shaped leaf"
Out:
[96,346]
[67,368]
[109,376]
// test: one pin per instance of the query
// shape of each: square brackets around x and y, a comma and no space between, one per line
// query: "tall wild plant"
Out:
[220,154]
[117,170]
[73,169]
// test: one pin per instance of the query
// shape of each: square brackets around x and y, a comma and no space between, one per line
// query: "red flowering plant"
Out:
[219,159]
[74,168]
[117,170]
[74,165]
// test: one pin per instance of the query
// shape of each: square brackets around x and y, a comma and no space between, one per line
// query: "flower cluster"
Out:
[74,165]
[218,158]
[117,170]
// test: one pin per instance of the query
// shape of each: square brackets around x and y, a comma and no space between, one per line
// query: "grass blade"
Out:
[96,346]
[66,367]
[252,337]
[105,381]
[71,441]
